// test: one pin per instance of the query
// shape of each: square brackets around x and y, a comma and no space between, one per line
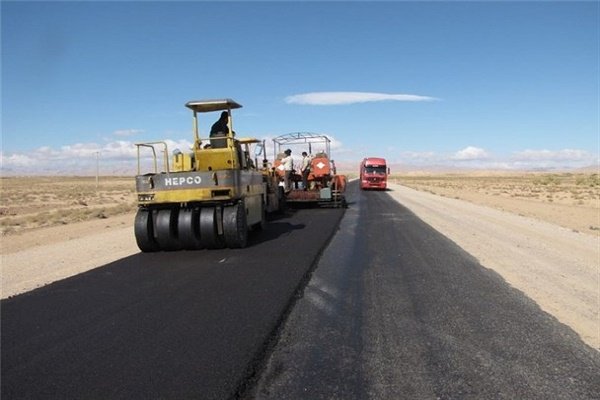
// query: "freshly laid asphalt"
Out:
[172,325]
[377,306]
[395,310]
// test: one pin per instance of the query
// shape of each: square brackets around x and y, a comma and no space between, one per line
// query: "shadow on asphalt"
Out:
[273,231]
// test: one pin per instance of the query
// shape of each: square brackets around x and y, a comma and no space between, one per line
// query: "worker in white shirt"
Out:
[305,169]
[288,166]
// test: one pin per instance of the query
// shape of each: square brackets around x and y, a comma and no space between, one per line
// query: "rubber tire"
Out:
[235,227]
[166,229]
[188,229]
[209,238]
[144,232]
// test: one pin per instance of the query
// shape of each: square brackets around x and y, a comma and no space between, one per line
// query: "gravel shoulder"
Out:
[556,267]
[39,257]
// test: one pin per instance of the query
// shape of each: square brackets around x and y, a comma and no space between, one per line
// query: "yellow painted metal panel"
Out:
[182,162]
[216,159]
[203,194]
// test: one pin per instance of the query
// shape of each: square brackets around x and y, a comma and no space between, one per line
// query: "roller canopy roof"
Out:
[212,105]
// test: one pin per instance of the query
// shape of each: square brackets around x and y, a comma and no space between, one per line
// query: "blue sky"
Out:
[467,84]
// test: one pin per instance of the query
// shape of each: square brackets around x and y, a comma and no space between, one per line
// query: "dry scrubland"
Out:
[571,200]
[28,203]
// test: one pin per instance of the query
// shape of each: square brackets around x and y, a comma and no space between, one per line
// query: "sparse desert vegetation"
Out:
[571,200]
[34,202]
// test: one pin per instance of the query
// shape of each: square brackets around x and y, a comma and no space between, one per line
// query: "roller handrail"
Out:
[151,145]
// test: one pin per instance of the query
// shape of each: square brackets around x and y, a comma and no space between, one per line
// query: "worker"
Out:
[220,129]
[305,169]
[288,166]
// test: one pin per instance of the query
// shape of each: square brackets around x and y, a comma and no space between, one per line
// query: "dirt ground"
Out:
[539,232]
[29,203]
[568,199]
[55,227]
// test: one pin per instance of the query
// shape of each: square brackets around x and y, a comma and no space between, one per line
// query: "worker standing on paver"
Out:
[288,166]
[305,169]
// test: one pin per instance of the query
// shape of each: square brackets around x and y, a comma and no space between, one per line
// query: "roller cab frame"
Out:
[208,197]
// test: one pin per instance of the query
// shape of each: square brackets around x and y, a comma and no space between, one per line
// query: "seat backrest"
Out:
[218,140]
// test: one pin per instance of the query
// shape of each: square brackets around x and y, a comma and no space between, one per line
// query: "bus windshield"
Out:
[379,169]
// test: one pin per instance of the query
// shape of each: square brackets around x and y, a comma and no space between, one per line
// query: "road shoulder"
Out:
[37,258]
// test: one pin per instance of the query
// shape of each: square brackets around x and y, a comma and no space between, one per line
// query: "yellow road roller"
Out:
[208,197]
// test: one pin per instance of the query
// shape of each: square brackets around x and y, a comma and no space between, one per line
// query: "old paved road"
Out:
[167,325]
[393,311]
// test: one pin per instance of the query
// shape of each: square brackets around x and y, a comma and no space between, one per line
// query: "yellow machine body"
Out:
[219,179]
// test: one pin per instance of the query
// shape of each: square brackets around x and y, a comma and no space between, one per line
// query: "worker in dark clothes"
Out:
[220,129]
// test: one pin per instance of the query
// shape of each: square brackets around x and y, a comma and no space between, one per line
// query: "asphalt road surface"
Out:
[394,310]
[173,325]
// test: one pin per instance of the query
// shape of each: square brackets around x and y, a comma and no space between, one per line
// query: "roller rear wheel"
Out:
[235,228]
[188,229]
[144,232]
[166,229]
[209,237]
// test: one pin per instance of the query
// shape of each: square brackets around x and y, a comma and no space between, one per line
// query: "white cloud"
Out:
[548,155]
[337,98]
[553,159]
[80,159]
[478,158]
[335,144]
[413,158]
[78,150]
[418,155]
[113,157]
[120,157]
[16,160]
[127,132]
[471,153]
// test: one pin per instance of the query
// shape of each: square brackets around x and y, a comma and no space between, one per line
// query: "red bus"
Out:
[373,173]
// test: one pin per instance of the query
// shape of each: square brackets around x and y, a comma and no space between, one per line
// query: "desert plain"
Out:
[55,227]
[571,200]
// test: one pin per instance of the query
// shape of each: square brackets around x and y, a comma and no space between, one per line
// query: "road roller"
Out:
[209,197]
